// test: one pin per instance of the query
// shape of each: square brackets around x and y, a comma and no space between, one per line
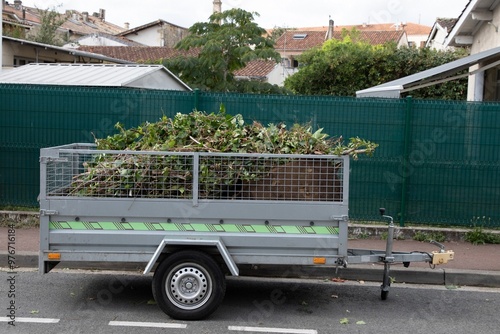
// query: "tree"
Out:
[46,33]
[278,31]
[341,67]
[226,43]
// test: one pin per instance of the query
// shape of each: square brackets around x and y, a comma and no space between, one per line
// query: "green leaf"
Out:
[360,322]
[344,321]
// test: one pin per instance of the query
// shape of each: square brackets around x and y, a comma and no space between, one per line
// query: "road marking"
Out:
[272,330]
[32,320]
[146,324]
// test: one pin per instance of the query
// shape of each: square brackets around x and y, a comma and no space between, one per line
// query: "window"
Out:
[299,36]
[20,61]
[492,84]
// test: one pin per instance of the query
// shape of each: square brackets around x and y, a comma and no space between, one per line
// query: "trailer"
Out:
[194,217]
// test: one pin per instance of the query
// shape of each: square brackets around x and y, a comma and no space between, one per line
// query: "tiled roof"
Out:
[159,22]
[256,68]
[447,23]
[311,40]
[93,24]
[382,37]
[410,28]
[12,18]
[139,54]
[317,38]
[74,21]
[27,16]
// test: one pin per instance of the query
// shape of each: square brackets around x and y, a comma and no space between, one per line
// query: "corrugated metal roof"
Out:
[127,75]
[392,89]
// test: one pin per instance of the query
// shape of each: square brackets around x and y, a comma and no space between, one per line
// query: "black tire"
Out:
[384,295]
[188,285]
[386,282]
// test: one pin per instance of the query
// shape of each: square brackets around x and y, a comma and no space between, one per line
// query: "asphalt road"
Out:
[70,301]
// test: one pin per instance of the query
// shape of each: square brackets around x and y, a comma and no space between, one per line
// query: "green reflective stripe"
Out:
[193,227]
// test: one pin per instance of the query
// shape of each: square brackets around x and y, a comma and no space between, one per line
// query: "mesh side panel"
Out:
[224,177]
[278,179]
[121,175]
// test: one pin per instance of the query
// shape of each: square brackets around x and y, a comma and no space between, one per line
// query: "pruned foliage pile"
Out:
[220,132]
[170,176]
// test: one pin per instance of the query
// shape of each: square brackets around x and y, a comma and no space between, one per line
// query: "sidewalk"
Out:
[474,265]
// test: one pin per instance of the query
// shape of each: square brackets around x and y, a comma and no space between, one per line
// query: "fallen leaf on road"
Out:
[344,321]
[338,280]
[361,322]
[335,296]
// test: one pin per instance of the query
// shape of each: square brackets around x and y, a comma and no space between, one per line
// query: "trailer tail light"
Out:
[54,256]
[442,257]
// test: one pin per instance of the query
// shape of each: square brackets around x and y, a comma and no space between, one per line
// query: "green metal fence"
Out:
[438,162]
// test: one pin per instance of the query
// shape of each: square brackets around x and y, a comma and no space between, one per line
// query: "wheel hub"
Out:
[188,287]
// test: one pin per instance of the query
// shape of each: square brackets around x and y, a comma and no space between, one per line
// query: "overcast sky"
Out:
[281,13]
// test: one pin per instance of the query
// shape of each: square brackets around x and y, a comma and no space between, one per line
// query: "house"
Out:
[293,43]
[476,28]
[439,32]
[17,52]
[95,75]
[12,24]
[416,34]
[156,33]
[23,21]
[263,70]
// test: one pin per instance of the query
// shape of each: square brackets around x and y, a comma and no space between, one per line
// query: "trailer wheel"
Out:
[188,285]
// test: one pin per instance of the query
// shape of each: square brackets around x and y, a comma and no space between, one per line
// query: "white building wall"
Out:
[417,40]
[438,42]
[276,76]
[150,36]
[94,41]
[484,39]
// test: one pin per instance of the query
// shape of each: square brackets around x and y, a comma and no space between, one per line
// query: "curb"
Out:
[371,273]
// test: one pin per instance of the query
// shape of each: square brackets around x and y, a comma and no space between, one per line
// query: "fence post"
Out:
[406,163]
[196,98]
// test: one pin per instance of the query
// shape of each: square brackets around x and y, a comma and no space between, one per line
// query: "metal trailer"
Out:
[192,217]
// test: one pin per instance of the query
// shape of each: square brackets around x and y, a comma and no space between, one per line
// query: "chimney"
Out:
[102,14]
[126,25]
[85,16]
[217,6]
[329,33]
[18,4]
